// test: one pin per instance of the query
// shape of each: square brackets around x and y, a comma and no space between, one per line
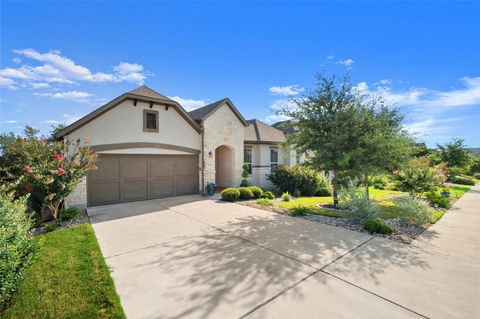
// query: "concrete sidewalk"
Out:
[188,257]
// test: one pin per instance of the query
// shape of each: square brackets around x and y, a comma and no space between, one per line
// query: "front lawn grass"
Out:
[457,190]
[67,278]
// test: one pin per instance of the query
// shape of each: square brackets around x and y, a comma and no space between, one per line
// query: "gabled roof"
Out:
[145,91]
[258,132]
[204,112]
[141,94]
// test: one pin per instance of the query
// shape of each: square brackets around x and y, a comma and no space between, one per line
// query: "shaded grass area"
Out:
[68,278]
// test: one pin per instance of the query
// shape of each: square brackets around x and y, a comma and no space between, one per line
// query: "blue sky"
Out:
[60,61]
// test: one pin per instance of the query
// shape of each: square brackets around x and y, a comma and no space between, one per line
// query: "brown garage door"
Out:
[124,178]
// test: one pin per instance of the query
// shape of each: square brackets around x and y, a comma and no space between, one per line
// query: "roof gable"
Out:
[142,94]
[201,114]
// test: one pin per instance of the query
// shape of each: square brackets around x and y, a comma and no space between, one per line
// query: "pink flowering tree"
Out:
[54,170]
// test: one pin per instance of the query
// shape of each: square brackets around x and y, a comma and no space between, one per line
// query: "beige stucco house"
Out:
[150,147]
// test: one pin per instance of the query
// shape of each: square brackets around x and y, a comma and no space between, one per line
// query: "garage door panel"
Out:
[100,193]
[162,167]
[162,187]
[134,190]
[186,185]
[133,167]
[107,168]
[186,165]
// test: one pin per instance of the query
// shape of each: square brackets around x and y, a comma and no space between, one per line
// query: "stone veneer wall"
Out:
[223,128]
[79,196]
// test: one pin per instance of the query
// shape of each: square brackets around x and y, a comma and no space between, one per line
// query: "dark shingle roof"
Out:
[285,126]
[202,112]
[205,111]
[259,132]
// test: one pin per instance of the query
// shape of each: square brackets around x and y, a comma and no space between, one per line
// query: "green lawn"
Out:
[457,190]
[68,278]
[387,209]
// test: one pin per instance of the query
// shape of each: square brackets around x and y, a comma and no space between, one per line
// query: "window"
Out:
[247,158]
[273,158]
[150,121]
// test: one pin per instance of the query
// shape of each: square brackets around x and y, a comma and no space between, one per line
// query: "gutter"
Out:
[202,132]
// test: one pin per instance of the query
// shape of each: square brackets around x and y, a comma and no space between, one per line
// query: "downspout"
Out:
[202,131]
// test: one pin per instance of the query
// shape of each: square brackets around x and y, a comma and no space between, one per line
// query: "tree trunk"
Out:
[366,185]
[335,191]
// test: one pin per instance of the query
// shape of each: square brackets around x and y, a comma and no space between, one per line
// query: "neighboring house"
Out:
[150,147]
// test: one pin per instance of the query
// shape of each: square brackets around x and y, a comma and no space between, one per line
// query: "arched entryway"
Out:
[224,166]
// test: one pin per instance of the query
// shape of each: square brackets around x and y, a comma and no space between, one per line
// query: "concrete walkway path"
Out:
[188,257]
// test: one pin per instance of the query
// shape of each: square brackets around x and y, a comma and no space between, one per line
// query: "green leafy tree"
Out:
[455,154]
[328,123]
[384,143]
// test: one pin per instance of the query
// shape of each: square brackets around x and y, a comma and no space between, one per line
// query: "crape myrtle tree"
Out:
[328,121]
[384,144]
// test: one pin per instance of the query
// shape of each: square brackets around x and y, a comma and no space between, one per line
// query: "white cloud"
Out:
[331,57]
[51,122]
[347,63]
[276,106]
[39,85]
[17,60]
[55,68]
[9,122]
[70,118]
[75,96]
[361,87]
[188,104]
[7,83]
[288,90]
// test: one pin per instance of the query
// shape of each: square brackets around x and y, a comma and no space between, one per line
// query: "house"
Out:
[150,147]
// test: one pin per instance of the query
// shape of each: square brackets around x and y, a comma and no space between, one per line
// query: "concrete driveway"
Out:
[190,257]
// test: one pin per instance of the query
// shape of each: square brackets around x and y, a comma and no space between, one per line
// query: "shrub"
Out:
[257,191]
[70,213]
[16,245]
[230,194]
[359,207]
[377,226]
[379,182]
[268,195]
[438,200]
[286,197]
[245,175]
[245,193]
[299,211]
[264,202]
[476,175]
[296,193]
[413,210]
[307,181]
[418,176]
[49,227]
[462,180]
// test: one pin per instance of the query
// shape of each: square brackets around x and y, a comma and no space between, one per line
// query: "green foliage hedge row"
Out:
[462,180]
[301,179]
[16,245]
[233,194]
[438,200]
[476,175]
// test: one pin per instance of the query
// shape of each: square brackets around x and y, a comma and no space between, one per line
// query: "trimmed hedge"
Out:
[245,193]
[230,194]
[306,180]
[16,245]
[462,180]
[476,175]
[268,195]
[257,191]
